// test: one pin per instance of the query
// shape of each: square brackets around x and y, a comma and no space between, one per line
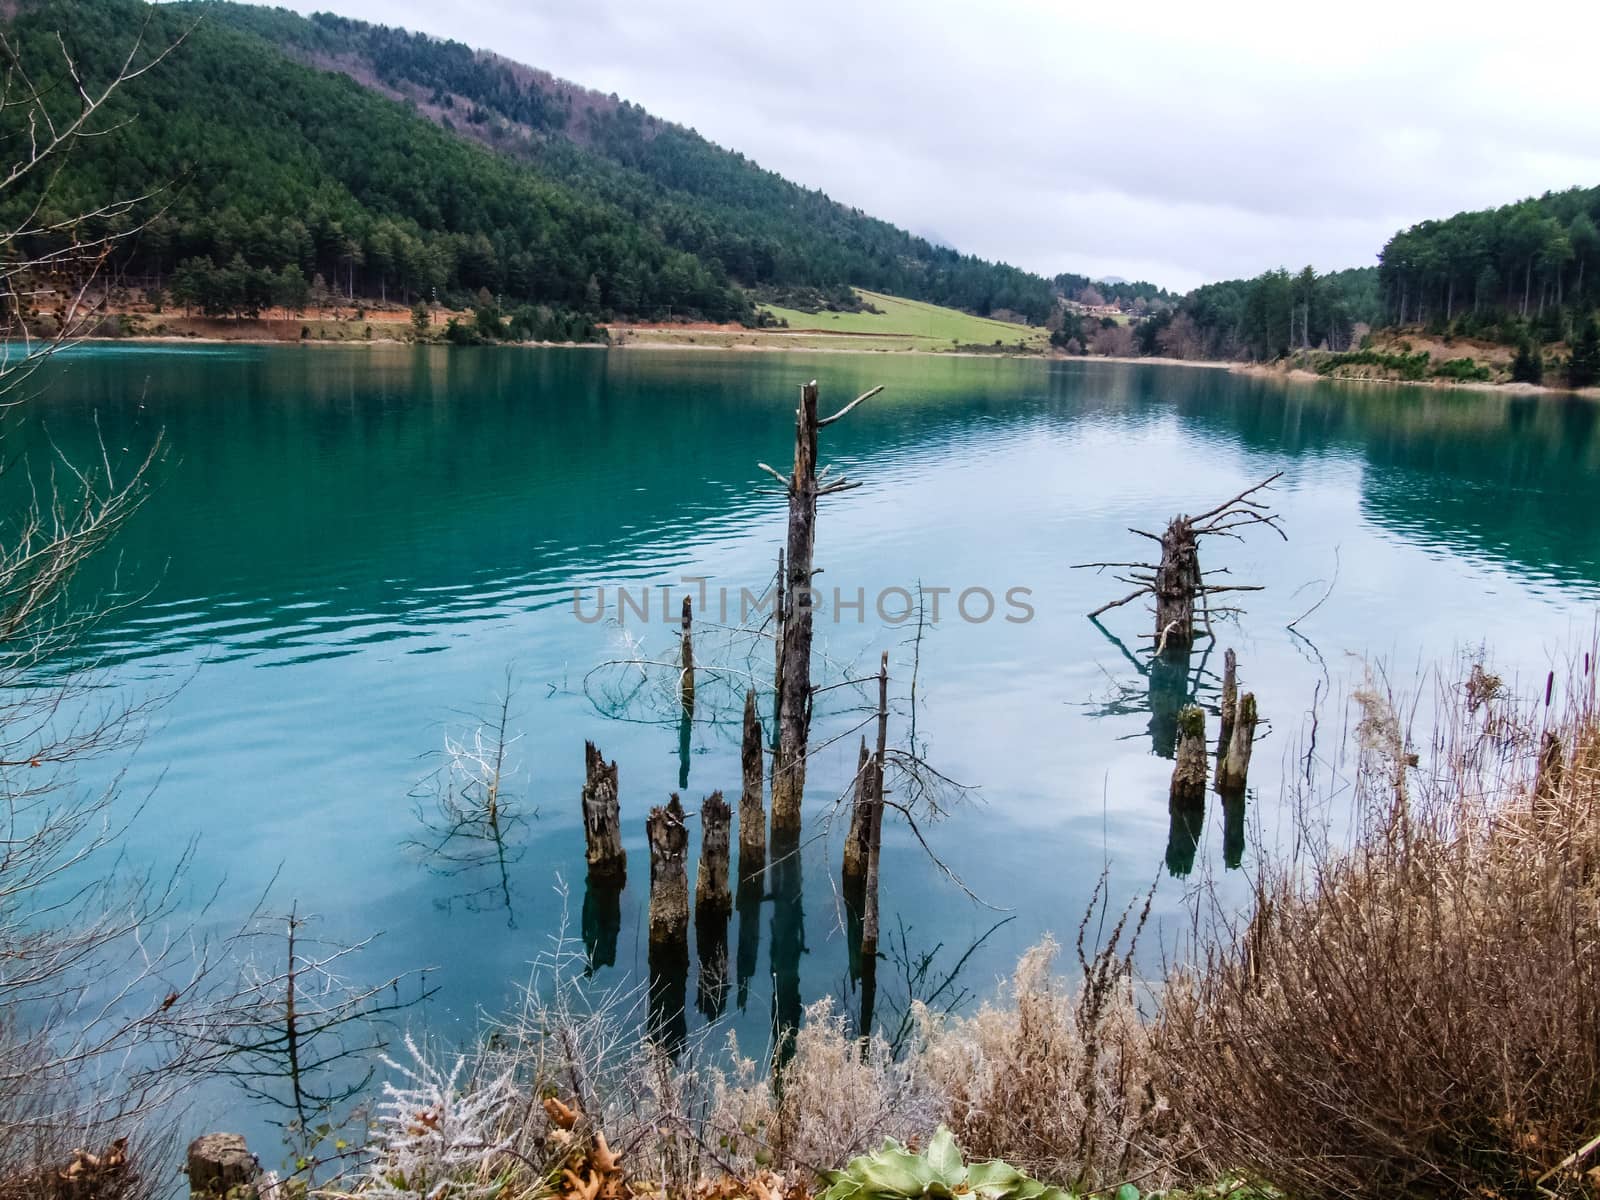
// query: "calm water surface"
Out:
[349,549]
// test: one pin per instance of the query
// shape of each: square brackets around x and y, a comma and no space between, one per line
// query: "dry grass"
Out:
[1418,1014]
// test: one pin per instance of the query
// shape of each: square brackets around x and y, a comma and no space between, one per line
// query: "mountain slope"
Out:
[711,202]
[272,172]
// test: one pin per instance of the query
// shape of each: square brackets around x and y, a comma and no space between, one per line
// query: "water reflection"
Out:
[788,942]
[602,921]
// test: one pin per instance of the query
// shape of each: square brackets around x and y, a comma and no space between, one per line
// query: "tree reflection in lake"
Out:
[469,816]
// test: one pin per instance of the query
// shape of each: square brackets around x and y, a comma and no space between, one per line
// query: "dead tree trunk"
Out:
[804,488]
[1230,700]
[794,683]
[752,810]
[1233,772]
[602,824]
[869,904]
[1189,772]
[713,904]
[711,892]
[669,880]
[1177,584]
[857,841]
[686,660]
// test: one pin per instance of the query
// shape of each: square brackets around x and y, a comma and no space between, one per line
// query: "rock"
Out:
[221,1165]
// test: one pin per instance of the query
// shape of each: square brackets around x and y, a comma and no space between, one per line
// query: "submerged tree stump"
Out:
[794,674]
[221,1164]
[1177,584]
[1230,701]
[795,607]
[1233,772]
[669,879]
[711,891]
[752,809]
[602,822]
[857,842]
[686,659]
[1189,771]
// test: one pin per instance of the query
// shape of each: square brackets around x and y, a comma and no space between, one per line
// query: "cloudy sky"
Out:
[1178,143]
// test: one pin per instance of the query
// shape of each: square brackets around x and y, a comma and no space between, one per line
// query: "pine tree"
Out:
[1584,368]
[1528,365]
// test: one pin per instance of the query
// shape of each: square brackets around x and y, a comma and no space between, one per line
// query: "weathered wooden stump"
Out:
[1230,702]
[669,879]
[686,658]
[1233,772]
[711,891]
[752,809]
[713,903]
[602,821]
[220,1164]
[1189,771]
[857,842]
[1177,584]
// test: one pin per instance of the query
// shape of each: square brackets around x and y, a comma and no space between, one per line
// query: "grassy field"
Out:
[900,325]
[926,325]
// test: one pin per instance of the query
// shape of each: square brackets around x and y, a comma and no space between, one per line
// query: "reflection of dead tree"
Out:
[918,793]
[1175,581]
[467,814]
[804,486]
[1172,679]
[297,1035]
[922,983]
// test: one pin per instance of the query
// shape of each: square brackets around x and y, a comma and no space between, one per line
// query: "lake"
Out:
[349,551]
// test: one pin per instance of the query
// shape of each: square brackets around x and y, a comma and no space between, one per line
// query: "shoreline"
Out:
[1296,375]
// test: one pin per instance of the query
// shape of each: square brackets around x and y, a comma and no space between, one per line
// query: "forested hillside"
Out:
[759,228]
[272,179]
[1527,268]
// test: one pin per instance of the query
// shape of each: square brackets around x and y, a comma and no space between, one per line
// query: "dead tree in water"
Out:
[1233,771]
[711,891]
[869,905]
[752,810]
[602,824]
[669,879]
[804,486]
[1230,702]
[1175,581]
[857,840]
[686,668]
[1189,772]
[713,904]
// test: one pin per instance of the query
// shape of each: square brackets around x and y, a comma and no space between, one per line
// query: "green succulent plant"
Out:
[893,1172]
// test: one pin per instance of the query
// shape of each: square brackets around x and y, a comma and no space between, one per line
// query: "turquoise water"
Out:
[348,550]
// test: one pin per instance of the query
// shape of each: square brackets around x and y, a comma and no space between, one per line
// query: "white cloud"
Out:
[1183,142]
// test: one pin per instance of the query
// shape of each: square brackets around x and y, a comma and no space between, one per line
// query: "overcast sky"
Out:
[1179,143]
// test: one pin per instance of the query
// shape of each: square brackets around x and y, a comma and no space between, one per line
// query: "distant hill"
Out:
[390,165]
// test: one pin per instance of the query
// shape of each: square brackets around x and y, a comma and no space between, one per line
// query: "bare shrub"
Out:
[1056,1079]
[838,1096]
